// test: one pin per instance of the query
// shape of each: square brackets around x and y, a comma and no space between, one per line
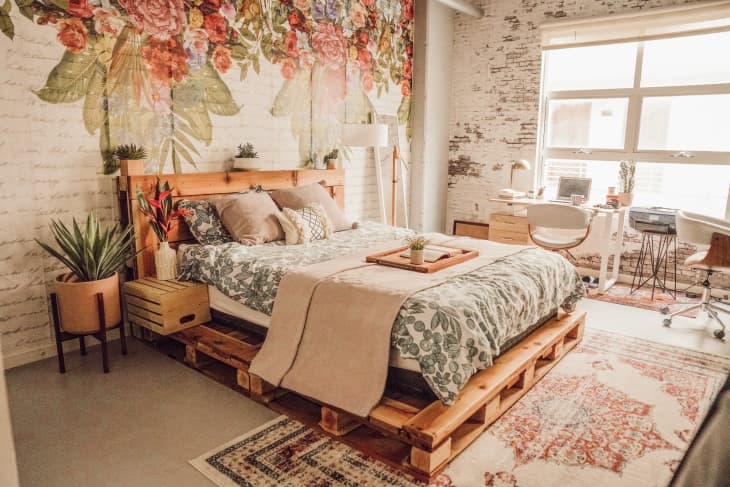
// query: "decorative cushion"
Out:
[306,224]
[204,223]
[303,196]
[250,218]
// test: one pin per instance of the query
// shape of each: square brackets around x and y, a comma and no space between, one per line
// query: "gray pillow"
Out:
[303,196]
[204,223]
[250,218]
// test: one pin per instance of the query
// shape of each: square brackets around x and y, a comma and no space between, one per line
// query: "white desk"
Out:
[601,231]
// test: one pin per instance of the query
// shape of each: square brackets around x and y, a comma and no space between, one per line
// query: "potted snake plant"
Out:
[93,255]
[131,158]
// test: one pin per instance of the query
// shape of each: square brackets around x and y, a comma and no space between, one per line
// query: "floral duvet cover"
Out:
[453,329]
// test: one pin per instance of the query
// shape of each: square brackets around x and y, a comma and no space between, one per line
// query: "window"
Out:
[663,104]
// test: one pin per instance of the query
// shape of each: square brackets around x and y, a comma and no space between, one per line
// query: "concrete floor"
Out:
[139,425]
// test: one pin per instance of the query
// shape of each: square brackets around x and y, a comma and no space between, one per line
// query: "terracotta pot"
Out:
[165,262]
[626,199]
[248,163]
[78,307]
[417,257]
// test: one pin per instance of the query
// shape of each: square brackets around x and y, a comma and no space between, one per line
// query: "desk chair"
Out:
[573,224]
[715,232]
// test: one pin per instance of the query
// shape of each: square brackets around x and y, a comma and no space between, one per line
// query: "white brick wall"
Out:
[495,100]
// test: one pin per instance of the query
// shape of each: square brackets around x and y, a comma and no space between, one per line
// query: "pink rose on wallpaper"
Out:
[367,82]
[290,42]
[288,69]
[159,18]
[330,45]
[72,34]
[196,40]
[216,27]
[222,59]
[108,21]
[80,8]
[166,60]
[228,11]
[306,60]
[408,9]
[368,3]
[161,99]
[358,14]
[365,60]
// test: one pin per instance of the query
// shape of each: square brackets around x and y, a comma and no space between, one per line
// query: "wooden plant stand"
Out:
[63,336]
[413,434]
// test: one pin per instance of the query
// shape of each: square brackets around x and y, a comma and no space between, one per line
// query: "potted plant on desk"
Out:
[627,171]
[161,217]
[93,255]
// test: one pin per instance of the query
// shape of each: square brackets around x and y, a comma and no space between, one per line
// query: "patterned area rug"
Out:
[616,411]
[620,293]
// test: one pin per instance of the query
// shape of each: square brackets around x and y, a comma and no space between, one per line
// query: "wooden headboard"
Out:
[201,186]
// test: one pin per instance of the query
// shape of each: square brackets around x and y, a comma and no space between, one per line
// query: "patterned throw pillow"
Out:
[306,224]
[204,223]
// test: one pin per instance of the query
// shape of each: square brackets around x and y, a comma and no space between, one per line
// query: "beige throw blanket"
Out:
[329,336]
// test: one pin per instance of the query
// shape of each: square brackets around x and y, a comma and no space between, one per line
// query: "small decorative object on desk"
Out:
[128,157]
[417,243]
[161,216]
[331,160]
[247,158]
[627,171]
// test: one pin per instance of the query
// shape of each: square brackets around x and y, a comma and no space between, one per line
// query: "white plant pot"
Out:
[248,163]
[626,199]
[165,262]
[417,257]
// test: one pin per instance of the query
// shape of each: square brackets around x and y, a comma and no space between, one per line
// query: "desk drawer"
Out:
[471,229]
[502,236]
[508,223]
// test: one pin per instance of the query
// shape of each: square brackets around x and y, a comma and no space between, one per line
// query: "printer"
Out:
[653,219]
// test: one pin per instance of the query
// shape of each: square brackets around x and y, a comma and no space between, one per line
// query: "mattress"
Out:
[223,304]
[450,331]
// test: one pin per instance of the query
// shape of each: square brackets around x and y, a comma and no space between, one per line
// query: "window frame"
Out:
[635,96]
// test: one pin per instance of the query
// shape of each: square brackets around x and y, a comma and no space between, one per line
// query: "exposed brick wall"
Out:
[495,101]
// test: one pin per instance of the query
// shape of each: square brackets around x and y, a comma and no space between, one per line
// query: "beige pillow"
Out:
[302,196]
[305,225]
[250,218]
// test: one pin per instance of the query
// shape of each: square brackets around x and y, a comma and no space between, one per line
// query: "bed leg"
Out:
[335,422]
[428,461]
[191,356]
[527,376]
[261,390]
[243,379]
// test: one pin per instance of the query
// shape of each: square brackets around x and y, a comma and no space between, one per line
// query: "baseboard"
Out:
[16,360]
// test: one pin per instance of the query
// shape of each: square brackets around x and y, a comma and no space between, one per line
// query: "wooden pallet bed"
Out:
[414,434]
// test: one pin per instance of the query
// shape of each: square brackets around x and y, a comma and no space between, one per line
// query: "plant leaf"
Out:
[25,8]
[94,112]
[69,80]
[6,23]
[217,96]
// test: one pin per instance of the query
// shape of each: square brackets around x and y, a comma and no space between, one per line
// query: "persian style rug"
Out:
[616,411]
[620,293]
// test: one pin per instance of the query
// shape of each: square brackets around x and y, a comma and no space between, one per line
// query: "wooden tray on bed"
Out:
[393,258]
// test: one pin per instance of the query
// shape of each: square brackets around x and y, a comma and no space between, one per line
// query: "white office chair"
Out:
[557,227]
[715,232]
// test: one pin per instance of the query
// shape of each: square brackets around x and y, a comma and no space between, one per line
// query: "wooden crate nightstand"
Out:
[166,306]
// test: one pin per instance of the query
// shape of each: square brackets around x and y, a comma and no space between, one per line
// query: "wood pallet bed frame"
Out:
[416,435]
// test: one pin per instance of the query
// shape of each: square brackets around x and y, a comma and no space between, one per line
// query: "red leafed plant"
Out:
[159,210]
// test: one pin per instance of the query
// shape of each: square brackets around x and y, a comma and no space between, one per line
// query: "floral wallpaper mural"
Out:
[150,71]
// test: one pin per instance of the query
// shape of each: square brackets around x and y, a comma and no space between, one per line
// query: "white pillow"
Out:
[306,224]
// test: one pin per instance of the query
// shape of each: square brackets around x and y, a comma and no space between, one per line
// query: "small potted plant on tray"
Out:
[627,171]
[93,256]
[417,243]
[131,158]
[331,160]
[247,158]
[161,216]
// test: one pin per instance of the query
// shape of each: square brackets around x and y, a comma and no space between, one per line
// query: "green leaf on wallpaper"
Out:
[181,139]
[247,34]
[244,70]
[218,98]
[162,157]
[69,80]
[239,52]
[25,8]
[62,4]
[284,100]
[189,108]
[256,64]
[266,45]
[6,23]
[94,112]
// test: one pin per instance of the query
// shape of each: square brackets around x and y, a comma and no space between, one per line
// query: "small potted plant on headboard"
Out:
[161,217]
[93,255]
[331,160]
[627,171]
[247,158]
[131,158]
[417,243]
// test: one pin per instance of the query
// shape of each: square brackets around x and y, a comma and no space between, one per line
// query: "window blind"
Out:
[655,23]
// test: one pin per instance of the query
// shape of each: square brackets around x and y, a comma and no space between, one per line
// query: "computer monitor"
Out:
[568,186]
